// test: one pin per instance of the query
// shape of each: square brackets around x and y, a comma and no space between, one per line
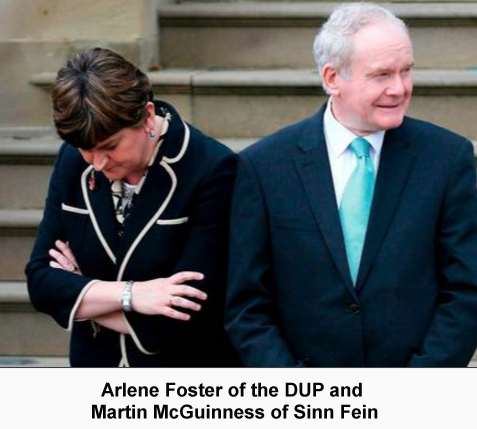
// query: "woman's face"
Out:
[124,155]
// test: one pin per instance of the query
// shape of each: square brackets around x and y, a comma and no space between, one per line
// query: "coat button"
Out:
[354,307]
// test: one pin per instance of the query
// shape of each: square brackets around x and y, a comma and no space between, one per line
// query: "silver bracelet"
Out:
[126,297]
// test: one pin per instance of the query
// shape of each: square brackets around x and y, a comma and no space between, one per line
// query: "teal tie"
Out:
[356,204]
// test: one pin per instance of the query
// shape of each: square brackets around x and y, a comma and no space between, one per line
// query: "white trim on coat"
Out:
[72,209]
[185,144]
[135,339]
[93,217]
[133,246]
[71,319]
[176,221]
[151,222]
[124,362]
[165,164]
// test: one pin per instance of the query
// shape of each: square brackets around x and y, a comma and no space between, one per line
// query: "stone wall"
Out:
[37,36]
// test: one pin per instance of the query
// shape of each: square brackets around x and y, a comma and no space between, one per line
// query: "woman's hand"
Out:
[162,296]
[63,258]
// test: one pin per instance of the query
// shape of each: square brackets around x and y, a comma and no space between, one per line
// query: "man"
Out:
[354,232]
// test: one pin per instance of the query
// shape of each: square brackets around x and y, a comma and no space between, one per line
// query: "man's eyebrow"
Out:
[378,70]
[386,69]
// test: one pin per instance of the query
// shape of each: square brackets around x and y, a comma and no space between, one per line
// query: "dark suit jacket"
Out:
[291,300]
[179,221]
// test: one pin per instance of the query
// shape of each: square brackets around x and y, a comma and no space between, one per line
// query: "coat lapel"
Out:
[315,172]
[148,206]
[101,211]
[395,165]
[158,188]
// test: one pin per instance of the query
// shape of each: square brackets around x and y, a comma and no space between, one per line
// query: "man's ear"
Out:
[331,79]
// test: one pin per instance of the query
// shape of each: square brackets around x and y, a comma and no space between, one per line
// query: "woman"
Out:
[130,254]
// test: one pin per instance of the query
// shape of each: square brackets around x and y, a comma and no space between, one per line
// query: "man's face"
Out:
[377,93]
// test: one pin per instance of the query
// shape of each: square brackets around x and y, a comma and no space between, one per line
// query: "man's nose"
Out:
[397,86]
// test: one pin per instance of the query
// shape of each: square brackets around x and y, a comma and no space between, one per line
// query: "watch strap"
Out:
[126,297]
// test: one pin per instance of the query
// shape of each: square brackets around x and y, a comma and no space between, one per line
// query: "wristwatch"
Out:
[126,297]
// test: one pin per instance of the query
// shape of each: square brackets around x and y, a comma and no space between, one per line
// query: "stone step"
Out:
[34,361]
[304,1]
[280,35]
[26,166]
[24,331]
[17,234]
[39,149]
[251,103]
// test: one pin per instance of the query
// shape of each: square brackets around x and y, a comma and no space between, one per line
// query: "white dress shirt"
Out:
[342,159]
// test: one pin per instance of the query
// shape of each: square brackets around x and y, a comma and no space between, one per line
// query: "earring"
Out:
[152,134]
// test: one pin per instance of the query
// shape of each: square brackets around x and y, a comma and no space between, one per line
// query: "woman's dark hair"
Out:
[96,94]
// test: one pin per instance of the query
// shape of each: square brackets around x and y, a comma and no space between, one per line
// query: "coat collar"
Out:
[156,194]
[176,140]
[313,167]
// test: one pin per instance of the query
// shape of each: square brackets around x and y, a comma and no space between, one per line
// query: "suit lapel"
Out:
[97,196]
[314,170]
[395,165]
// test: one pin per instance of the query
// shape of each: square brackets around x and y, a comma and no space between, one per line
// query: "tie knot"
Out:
[360,146]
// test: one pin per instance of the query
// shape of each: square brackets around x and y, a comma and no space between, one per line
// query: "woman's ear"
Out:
[150,121]
[331,79]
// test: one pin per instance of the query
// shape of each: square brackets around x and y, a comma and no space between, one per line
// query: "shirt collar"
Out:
[339,137]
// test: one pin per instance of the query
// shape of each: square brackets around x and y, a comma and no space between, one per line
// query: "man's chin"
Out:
[390,123]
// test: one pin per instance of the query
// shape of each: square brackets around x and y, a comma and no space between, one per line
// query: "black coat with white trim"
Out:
[179,221]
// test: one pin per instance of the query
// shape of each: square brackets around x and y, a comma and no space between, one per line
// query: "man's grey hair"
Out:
[333,44]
